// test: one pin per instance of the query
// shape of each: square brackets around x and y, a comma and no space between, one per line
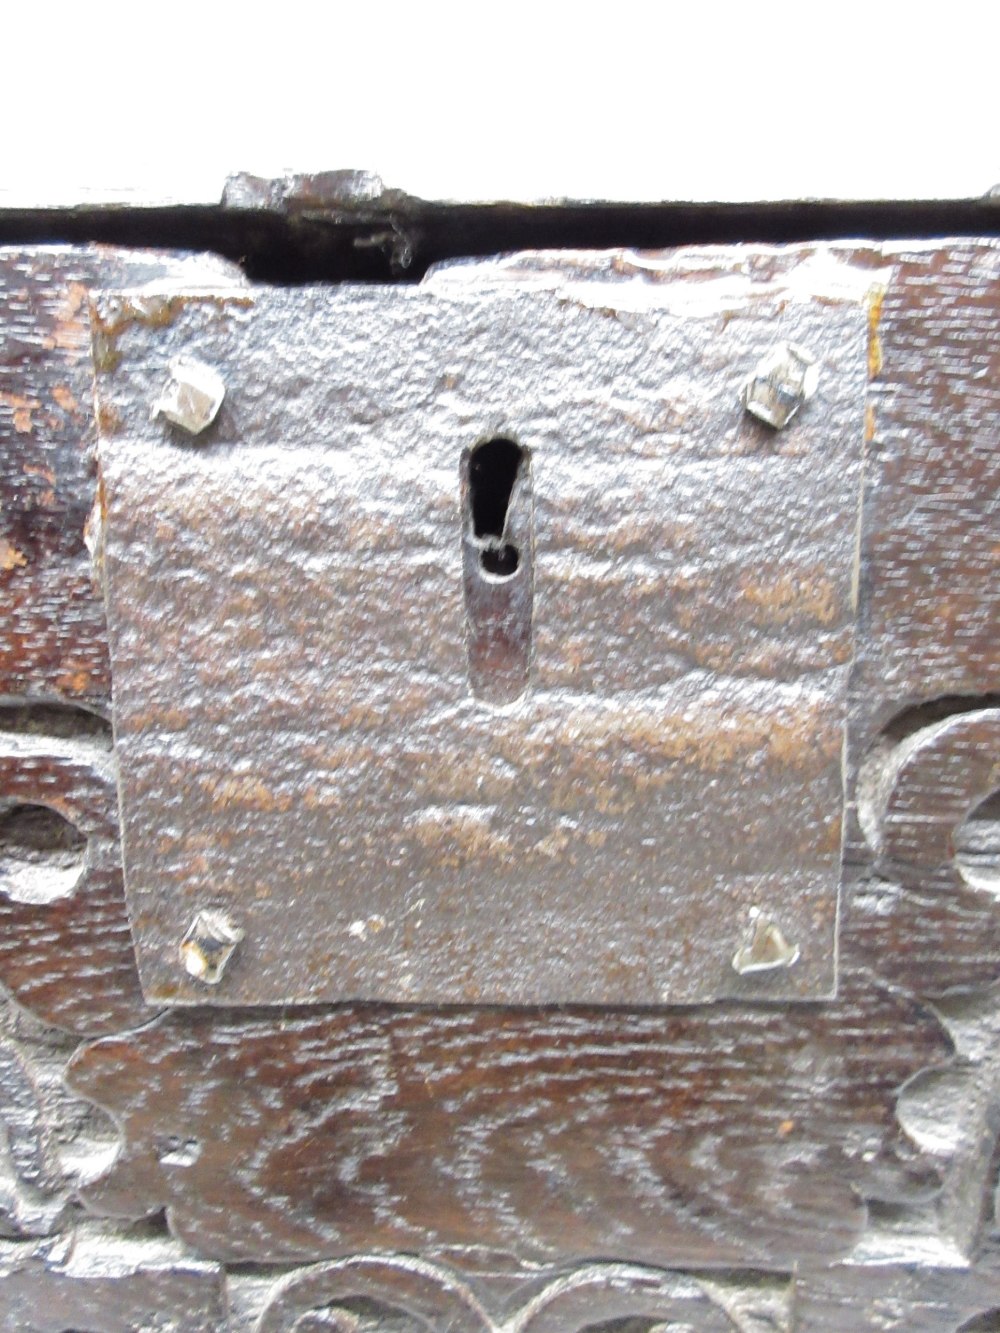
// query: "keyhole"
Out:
[498,566]
[493,471]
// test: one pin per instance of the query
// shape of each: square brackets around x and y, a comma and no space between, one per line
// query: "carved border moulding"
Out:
[586,1297]
[472,643]
[98,1278]
[915,795]
[64,936]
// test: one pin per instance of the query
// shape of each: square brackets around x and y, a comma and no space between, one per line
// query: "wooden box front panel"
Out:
[725,1166]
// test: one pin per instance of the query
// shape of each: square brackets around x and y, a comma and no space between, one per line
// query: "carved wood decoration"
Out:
[747,1164]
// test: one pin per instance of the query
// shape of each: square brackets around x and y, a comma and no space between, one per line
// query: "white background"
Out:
[483,101]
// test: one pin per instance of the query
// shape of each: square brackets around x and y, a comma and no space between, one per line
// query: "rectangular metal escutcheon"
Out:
[482,648]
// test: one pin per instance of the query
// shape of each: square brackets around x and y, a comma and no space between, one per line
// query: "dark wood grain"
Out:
[71,962]
[52,636]
[716,1137]
[930,561]
[53,640]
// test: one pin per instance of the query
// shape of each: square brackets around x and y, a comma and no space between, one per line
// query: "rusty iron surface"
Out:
[301,742]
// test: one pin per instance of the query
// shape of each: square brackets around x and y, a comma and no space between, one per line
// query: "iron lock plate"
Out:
[407,773]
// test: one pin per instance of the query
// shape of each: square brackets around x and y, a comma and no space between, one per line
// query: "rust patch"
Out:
[455,835]
[10,556]
[21,409]
[74,682]
[40,470]
[789,596]
[109,420]
[112,315]
[245,791]
[65,399]
[875,299]
[76,295]
[70,331]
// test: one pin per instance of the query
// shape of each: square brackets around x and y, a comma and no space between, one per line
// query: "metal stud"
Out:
[210,942]
[784,380]
[192,396]
[766,948]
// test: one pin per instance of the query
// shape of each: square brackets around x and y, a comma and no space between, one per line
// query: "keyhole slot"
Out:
[497,560]
[494,469]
